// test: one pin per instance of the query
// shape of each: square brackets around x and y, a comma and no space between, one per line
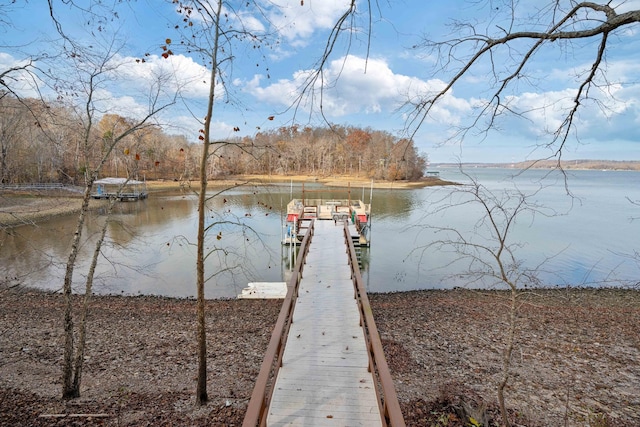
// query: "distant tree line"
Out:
[40,142]
[336,150]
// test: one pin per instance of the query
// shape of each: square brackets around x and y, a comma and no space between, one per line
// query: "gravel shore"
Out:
[576,363]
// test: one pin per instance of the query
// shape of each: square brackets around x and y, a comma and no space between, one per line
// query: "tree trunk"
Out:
[3,165]
[201,389]
[506,359]
[69,391]
[82,334]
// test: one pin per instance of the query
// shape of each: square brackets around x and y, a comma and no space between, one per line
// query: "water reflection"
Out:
[150,247]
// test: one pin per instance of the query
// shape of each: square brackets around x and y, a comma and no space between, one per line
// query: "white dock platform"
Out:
[324,378]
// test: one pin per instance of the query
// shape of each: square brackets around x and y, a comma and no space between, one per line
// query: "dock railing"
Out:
[258,407]
[386,391]
[40,186]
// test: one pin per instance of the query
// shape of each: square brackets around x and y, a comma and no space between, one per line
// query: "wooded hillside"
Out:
[42,143]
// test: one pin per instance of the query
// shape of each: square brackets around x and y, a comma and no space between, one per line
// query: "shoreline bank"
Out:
[21,207]
[576,356]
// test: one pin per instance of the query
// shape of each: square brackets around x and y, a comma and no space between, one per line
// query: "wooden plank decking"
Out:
[324,378]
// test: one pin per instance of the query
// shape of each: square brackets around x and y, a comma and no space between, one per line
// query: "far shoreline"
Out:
[329,181]
[24,207]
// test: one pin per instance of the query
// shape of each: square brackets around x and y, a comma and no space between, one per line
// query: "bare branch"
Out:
[571,25]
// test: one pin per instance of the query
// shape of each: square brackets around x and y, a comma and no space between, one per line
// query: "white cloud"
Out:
[354,85]
[623,71]
[545,111]
[297,22]
[23,82]
[239,18]
[133,84]
[123,105]
[249,22]
[178,73]
[608,111]
[283,92]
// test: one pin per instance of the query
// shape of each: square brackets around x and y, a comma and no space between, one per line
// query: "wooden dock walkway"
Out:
[324,378]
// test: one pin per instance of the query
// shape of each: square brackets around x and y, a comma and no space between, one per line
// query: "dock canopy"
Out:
[117,181]
[119,188]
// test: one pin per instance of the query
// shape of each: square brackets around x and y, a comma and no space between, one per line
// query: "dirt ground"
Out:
[576,363]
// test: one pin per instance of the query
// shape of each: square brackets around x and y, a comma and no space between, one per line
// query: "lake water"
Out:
[151,244]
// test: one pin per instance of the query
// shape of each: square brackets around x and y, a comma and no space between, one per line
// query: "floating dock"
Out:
[123,189]
[300,213]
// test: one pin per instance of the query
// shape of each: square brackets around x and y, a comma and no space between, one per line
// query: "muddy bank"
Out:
[576,363]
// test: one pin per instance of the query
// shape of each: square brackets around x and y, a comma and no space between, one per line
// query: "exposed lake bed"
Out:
[577,356]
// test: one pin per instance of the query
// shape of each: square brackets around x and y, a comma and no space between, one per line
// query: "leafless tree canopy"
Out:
[40,142]
[508,45]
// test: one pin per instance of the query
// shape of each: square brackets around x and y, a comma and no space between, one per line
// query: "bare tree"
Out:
[311,92]
[508,46]
[634,202]
[12,122]
[490,252]
[93,70]
[212,31]
[635,255]
[78,360]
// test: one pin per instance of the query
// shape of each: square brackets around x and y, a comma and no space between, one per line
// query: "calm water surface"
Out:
[151,244]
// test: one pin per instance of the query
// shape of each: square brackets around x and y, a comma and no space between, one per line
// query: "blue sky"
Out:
[264,81]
